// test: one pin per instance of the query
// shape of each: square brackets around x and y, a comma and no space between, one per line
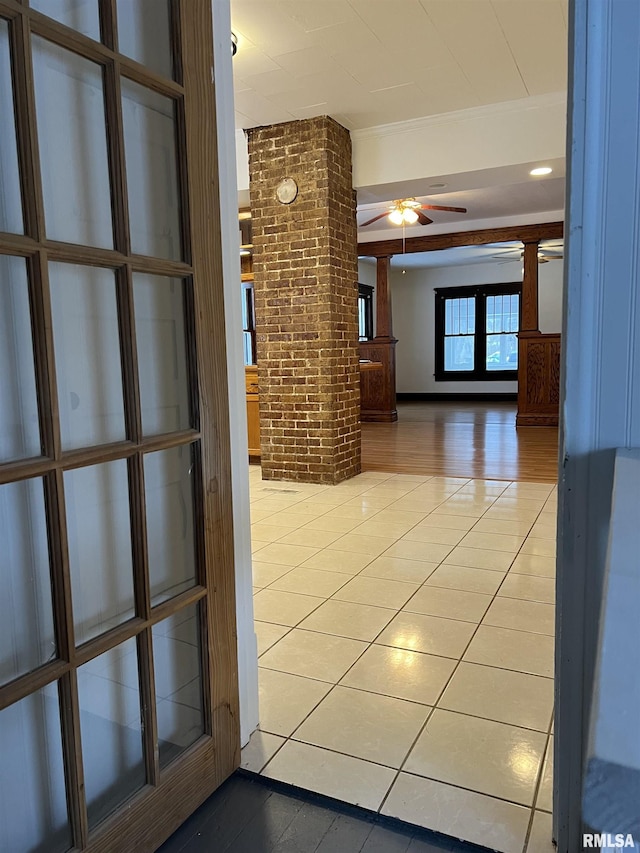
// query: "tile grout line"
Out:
[400,770]
[538,785]
[400,610]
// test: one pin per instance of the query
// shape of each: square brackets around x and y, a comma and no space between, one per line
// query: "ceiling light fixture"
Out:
[404,212]
[234,44]
[541,170]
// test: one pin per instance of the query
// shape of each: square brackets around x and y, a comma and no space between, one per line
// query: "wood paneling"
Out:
[378,387]
[538,379]
[461,440]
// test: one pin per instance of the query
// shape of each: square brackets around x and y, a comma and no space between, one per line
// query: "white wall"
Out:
[550,289]
[493,136]
[367,272]
[413,305]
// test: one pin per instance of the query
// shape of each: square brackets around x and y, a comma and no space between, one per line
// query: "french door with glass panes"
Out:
[118,676]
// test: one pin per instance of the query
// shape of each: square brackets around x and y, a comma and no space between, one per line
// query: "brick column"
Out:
[305,284]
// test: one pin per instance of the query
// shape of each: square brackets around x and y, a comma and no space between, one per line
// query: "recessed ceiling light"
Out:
[541,170]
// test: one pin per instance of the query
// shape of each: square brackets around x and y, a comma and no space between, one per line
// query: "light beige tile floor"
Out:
[405,639]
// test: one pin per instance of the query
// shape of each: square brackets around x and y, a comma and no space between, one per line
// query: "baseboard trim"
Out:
[454,397]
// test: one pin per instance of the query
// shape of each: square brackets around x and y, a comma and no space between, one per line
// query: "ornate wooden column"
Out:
[538,355]
[378,388]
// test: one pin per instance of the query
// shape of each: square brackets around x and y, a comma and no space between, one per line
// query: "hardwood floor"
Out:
[477,440]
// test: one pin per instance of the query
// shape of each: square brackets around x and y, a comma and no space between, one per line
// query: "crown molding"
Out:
[535,102]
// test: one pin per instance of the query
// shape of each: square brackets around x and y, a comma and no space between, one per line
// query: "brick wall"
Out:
[305,281]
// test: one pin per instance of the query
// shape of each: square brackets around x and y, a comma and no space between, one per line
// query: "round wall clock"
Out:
[286,191]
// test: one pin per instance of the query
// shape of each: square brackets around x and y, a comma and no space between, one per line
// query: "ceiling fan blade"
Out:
[440,207]
[375,219]
[423,219]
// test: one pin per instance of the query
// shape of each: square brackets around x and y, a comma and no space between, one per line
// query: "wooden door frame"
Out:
[171,795]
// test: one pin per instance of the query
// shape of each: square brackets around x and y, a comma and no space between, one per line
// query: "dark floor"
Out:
[251,814]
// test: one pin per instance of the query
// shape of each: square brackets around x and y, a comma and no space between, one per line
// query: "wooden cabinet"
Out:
[253,410]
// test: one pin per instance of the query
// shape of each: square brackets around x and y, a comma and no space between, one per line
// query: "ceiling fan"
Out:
[546,252]
[549,252]
[408,211]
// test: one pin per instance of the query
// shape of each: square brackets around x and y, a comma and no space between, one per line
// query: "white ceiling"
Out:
[375,62]
[488,202]
[372,62]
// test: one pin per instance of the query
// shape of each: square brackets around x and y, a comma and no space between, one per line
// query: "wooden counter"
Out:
[378,384]
[253,410]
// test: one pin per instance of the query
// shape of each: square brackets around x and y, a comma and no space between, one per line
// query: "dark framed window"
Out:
[365,312]
[477,332]
[248,323]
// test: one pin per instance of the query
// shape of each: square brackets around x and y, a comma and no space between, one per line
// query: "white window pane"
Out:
[152,177]
[86,343]
[162,358]
[80,15]
[246,343]
[19,431]
[170,532]
[502,352]
[143,33]
[99,534]
[110,725]
[73,152]
[458,353]
[514,314]
[176,660]
[10,200]
[33,808]
[27,637]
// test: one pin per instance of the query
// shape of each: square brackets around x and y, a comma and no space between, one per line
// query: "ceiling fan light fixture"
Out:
[397,216]
[541,170]
[410,216]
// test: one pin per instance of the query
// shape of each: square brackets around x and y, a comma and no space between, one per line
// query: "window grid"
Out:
[365,312]
[39,251]
[469,322]
[248,323]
